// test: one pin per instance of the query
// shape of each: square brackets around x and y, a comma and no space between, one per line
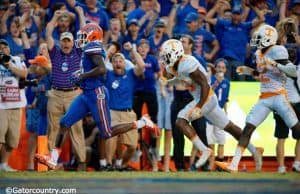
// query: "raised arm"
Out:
[81,17]
[260,16]
[50,27]
[140,64]
[210,15]
[9,12]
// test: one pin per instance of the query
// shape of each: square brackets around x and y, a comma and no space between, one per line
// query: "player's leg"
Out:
[73,115]
[281,133]
[187,114]
[256,116]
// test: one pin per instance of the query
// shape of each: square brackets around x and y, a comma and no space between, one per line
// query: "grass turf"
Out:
[152,175]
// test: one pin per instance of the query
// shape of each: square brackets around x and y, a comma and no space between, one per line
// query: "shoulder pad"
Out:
[278,52]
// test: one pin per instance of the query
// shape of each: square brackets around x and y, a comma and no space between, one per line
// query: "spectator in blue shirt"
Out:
[235,37]
[206,45]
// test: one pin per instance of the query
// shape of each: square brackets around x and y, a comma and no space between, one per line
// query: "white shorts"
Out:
[277,103]
[210,110]
[215,135]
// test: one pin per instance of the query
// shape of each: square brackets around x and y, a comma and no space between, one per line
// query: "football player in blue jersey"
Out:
[94,97]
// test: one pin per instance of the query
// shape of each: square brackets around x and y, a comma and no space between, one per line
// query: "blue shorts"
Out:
[94,101]
[32,119]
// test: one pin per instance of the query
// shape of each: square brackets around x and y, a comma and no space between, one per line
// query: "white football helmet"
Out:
[265,36]
[171,51]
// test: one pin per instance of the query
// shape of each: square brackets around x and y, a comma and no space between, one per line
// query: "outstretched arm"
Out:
[198,77]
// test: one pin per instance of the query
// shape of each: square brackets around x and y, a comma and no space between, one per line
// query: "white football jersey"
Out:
[272,79]
[187,65]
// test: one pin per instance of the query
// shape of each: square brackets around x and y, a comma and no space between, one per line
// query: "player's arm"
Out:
[99,68]
[287,67]
[198,77]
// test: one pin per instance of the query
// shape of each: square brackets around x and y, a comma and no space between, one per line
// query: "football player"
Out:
[272,67]
[187,70]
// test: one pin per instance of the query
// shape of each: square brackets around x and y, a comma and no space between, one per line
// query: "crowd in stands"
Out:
[216,32]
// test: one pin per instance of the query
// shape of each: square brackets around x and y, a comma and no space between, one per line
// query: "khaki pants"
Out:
[119,117]
[10,127]
[58,104]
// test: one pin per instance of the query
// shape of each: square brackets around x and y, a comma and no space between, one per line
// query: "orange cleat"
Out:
[225,167]
[47,160]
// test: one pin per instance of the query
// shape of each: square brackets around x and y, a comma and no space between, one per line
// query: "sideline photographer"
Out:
[12,99]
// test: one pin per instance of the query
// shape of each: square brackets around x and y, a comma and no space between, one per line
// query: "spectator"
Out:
[120,84]
[32,23]
[204,40]
[158,37]
[12,69]
[115,32]
[114,48]
[10,31]
[36,113]
[221,87]
[145,90]
[65,61]
[91,135]
[40,67]
[235,37]
[275,11]
[132,35]
[94,13]
[62,23]
[145,14]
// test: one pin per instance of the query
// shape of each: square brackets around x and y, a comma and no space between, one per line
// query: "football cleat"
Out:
[148,122]
[258,158]
[225,167]
[47,160]
[203,158]
[296,168]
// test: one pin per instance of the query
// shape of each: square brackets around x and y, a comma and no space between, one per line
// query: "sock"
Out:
[102,162]
[251,148]
[237,157]
[119,162]
[55,155]
[297,163]
[199,144]
[138,124]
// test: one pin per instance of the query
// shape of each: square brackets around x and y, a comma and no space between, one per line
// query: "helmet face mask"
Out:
[89,33]
[171,51]
[265,36]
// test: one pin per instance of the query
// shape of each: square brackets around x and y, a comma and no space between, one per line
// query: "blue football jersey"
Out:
[92,48]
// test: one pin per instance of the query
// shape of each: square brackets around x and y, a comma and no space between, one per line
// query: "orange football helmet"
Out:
[90,32]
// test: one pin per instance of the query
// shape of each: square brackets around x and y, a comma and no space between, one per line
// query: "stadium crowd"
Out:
[40,54]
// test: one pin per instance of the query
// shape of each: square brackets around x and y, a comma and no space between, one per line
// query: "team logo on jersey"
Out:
[115,84]
[101,96]
[64,66]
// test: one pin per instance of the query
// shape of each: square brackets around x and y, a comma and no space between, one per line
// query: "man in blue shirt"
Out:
[235,37]
[120,83]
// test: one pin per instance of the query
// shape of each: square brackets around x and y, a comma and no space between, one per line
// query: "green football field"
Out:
[149,182]
[243,96]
